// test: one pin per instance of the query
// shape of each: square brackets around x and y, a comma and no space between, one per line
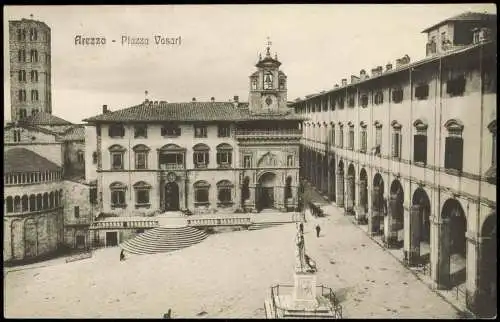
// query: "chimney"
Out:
[194,99]
[212,99]
[336,86]
[388,67]
[236,101]
[354,79]
[344,82]
[104,109]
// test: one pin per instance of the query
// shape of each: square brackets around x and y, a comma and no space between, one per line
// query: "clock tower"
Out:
[268,86]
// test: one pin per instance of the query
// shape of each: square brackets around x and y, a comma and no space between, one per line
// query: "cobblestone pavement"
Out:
[368,280]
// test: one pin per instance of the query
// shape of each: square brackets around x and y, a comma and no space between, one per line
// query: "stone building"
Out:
[46,198]
[411,151]
[30,68]
[198,157]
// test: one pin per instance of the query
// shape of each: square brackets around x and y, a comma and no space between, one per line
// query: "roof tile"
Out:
[24,160]
[44,118]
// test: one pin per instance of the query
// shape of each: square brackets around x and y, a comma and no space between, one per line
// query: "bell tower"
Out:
[268,85]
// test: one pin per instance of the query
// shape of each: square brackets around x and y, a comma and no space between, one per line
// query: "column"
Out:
[412,235]
[348,193]
[252,199]
[362,202]
[390,223]
[472,274]
[374,218]
[325,175]
[440,253]
[340,189]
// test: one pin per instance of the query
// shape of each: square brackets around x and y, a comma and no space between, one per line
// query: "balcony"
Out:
[124,223]
[171,166]
[269,133]
[77,222]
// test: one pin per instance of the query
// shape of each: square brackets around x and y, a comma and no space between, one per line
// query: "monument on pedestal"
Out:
[305,300]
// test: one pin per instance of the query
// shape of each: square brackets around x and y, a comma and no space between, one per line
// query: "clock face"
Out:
[269,100]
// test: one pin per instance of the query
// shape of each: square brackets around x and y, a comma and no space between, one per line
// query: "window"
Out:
[363,138]
[17,135]
[290,161]
[21,55]
[77,211]
[422,91]
[379,98]
[378,138]
[420,142]
[201,155]
[34,56]
[140,131]
[332,135]
[396,140]
[364,100]
[80,156]
[22,75]
[22,95]
[223,131]
[224,155]
[93,196]
[33,111]
[247,161]
[341,136]
[21,34]
[22,113]
[282,83]
[118,195]
[170,131]
[332,103]
[288,188]
[456,86]
[254,83]
[33,34]
[171,157]
[351,137]
[117,153]
[116,130]
[397,95]
[454,145]
[142,194]
[351,101]
[341,102]
[224,193]
[34,76]
[94,157]
[141,156]
[34,95]
[201,193]
[268,80]
[200,131]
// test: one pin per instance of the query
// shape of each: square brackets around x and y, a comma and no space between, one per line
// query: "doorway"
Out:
[111,238]
[171,197]
[266,191]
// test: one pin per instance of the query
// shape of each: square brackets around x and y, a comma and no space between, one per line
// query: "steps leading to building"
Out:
[163,239]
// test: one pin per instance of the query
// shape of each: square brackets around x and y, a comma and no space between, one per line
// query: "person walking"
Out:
[301,227]
[318,229]
[122,256]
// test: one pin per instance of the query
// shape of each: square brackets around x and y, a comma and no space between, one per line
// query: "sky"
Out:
[318,45]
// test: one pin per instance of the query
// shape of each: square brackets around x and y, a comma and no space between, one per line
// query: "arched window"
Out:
[118,195]
[282,83]
[142,194]
[117,152]
[397,95]
[171,156]
[363,137]
[22,95]
[34,76]
[34,95]
[254,83]
[24,203]
[454,145]
[201,155]
[332,134]
[32,203]
[341,135]
[141,156]
[378,98]
[39,202]
[10,204]
[268,80]
[201,193]
[33,34]
[22,75]
[46,201]
[224,155]
[351,136]
[17,204]
[224,193]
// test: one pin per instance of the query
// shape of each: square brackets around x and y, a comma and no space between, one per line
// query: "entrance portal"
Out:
[111,238]
[171,197]
[266,191]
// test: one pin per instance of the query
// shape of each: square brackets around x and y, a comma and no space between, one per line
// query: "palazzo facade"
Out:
[199,157]
[411,152]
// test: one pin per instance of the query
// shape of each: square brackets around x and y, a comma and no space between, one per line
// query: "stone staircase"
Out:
[163,239]
[262,225]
